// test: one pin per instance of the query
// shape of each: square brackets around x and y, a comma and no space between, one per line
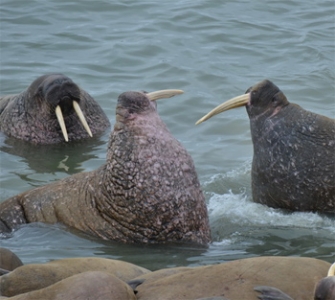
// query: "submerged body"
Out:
[294,151]
[294,159]
[147,191]
[52,109]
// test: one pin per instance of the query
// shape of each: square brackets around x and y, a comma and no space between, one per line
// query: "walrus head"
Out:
[262,99]
[59,96]
[131,104]
[325,288]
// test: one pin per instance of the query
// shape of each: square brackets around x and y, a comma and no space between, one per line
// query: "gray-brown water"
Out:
[213,50]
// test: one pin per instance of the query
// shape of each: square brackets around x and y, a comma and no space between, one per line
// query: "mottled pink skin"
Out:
[294,153]
[30,115]
[147,191]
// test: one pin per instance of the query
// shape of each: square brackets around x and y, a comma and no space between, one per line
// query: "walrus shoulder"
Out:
[4,100]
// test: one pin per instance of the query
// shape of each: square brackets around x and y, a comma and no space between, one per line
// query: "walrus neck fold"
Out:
[145,164]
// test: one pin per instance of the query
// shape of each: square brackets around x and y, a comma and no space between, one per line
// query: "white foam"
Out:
[239,209]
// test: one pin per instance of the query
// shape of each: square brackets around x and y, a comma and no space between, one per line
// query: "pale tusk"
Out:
[229,104]
[60,119]
[163,94]
[81,117]
[331,271]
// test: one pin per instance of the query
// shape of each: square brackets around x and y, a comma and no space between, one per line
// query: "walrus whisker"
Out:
[61,122]
[163,94]
[229,104]
[331,271]
[82,117]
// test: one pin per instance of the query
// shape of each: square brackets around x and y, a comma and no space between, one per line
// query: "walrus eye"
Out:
[253,94]
[276,97]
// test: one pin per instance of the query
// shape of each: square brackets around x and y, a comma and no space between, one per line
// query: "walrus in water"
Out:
[52,109]
[294,151]
[147,191]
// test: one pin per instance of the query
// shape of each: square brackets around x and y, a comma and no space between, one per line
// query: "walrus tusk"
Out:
[81,117]
[163,94]
[229,104]
[61,122]
[331,271]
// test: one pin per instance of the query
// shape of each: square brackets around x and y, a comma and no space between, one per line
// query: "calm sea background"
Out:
[213,50]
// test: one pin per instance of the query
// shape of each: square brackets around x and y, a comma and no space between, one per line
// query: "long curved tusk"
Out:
[81,117]
[331,271]
[61,122]
[229,104]
[163,94]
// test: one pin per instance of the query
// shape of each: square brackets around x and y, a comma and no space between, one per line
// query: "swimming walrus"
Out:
[294,151]
[147,191]
[52,109]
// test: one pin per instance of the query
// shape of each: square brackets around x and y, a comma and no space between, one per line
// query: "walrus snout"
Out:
[139,101]
[256,95]
[61,92]
[60,118]
[62,96]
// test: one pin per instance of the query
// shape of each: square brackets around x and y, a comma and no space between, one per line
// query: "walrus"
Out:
[293,164]
[98,285]
[324,289]
[8,261]
[37,276]
[235,279]
[146,192]
[51,110]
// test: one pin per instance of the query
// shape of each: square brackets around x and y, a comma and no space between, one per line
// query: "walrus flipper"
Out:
[3,271]
[134,284]
[271,293]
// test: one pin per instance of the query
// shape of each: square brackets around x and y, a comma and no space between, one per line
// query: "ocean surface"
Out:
[213,50]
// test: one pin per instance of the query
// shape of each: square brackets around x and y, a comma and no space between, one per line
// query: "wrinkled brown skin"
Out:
[294,153]
[30,115]
[147,192]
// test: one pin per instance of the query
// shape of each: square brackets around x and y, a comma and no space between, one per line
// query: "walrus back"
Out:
[294,161]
